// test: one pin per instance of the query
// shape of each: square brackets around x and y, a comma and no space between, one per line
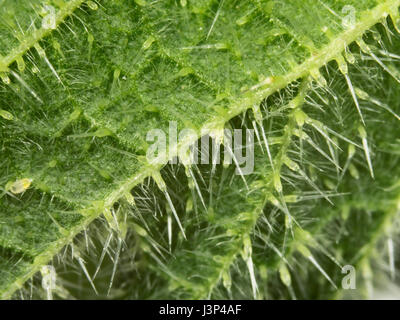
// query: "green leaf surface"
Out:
[78,101]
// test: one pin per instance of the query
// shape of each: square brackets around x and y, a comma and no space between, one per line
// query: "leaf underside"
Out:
[78,101]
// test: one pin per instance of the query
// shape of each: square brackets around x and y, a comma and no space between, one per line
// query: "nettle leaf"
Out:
[83,82]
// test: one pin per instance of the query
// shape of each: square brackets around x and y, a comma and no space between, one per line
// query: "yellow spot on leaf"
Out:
[19,186]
